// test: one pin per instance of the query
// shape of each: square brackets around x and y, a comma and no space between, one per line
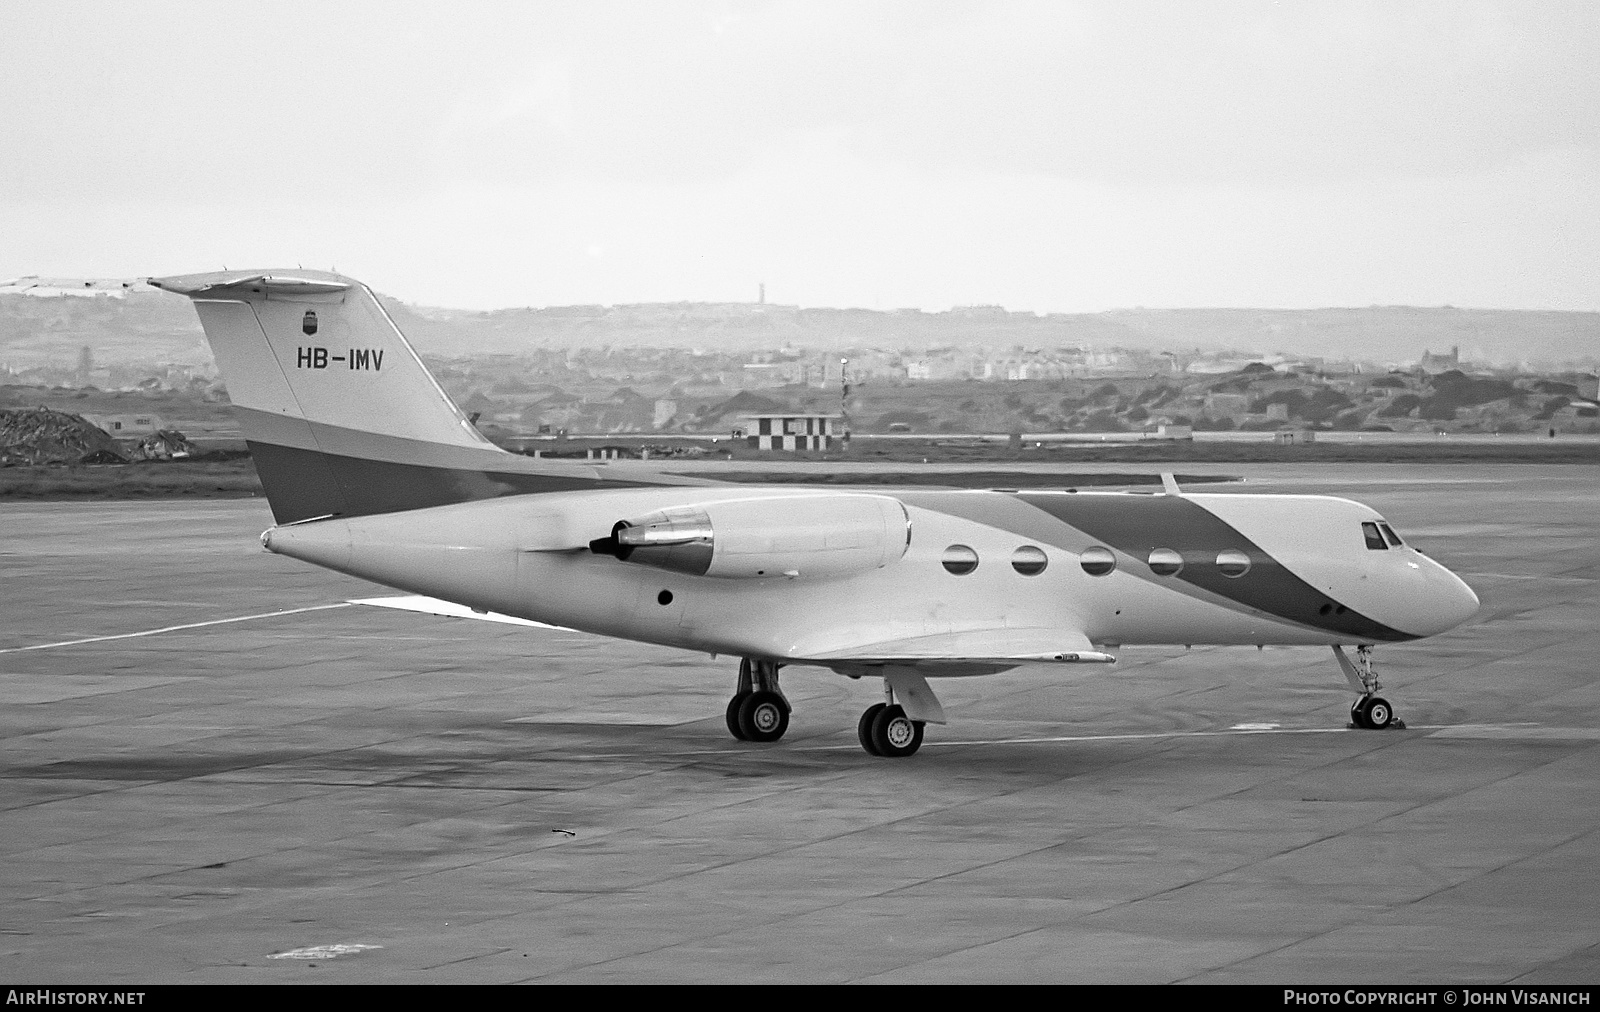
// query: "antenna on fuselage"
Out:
[1169,483]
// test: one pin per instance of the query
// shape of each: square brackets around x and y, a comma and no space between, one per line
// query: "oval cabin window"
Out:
[959,560]
[1233,563]
[1097,561]
[1165,562]
[1029,560]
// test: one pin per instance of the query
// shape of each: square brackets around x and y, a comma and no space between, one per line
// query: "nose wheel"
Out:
[1370,711]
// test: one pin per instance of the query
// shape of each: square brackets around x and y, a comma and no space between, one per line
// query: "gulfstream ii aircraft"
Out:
[373,471]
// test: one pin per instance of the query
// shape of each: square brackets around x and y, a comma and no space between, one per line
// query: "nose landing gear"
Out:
[1370,710]
[1372,713]
[758,710]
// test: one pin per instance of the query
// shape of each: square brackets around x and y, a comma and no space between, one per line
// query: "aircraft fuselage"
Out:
[1190,569]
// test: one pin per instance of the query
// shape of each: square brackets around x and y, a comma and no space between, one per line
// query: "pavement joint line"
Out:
[1057,923]
[1186,885]
[175,628]
[1446,887]
[834,905]
[1411,902]
[1551,962]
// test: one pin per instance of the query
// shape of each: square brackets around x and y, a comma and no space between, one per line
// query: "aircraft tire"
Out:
[1358,718]
[763,717]
[864,727]
[894,734]
[733,716]
[1376,713]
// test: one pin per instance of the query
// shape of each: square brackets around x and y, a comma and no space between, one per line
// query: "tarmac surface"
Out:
[357,794]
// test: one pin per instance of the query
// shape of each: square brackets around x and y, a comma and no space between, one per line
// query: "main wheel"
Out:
[733,715]
[1377,713]
[763,716]
[894,734]
[864,727]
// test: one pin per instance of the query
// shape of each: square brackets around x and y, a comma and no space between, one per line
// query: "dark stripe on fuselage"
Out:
[1136,524]
[301,484]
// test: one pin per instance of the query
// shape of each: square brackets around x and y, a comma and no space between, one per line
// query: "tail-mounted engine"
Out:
[788,536]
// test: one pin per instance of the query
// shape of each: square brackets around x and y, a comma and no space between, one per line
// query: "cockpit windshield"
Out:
[1380,536]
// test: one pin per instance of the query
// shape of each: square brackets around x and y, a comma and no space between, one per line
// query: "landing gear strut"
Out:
[885,730]
[1370,710]
[758,710]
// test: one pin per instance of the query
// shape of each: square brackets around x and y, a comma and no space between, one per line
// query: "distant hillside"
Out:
[1379,333]
[152,326]
[138,326]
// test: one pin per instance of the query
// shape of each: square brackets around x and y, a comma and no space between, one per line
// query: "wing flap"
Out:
[992,645]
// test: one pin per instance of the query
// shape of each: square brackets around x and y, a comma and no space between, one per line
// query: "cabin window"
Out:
[959,560]
[1232,563]
[1165,562]
[1029,560]
[1388,532]
[1375,540]
[1097,561]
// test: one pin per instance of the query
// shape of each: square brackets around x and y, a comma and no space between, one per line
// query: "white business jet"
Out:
[373,471]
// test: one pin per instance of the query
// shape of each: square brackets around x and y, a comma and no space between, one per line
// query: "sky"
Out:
[1053,157]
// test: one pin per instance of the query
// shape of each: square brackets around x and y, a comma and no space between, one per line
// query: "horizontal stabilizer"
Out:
[269,285]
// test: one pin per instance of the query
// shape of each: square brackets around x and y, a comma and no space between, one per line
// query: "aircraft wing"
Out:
[448,609]
[1000,647]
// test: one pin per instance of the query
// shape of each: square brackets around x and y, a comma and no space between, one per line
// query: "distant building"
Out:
[121,426]
[792,431]
[48,288]
[666,410]
[1432,363]
[759,375]
[1226,405]
[1584,415]
[981,312]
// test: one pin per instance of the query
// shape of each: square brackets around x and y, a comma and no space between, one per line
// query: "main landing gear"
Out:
[1370,710]
[885,730]
[758,710]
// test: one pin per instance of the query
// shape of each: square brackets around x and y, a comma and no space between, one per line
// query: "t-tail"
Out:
[341,416]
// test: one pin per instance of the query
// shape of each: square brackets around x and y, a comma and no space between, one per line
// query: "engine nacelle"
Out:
[810,536]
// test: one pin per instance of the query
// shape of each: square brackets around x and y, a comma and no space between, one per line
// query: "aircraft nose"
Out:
[1466,602]
[1447,602]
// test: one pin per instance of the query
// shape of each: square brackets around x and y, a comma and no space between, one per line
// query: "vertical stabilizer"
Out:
[341,416]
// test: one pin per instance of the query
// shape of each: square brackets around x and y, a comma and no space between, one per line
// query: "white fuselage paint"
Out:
[528,557]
